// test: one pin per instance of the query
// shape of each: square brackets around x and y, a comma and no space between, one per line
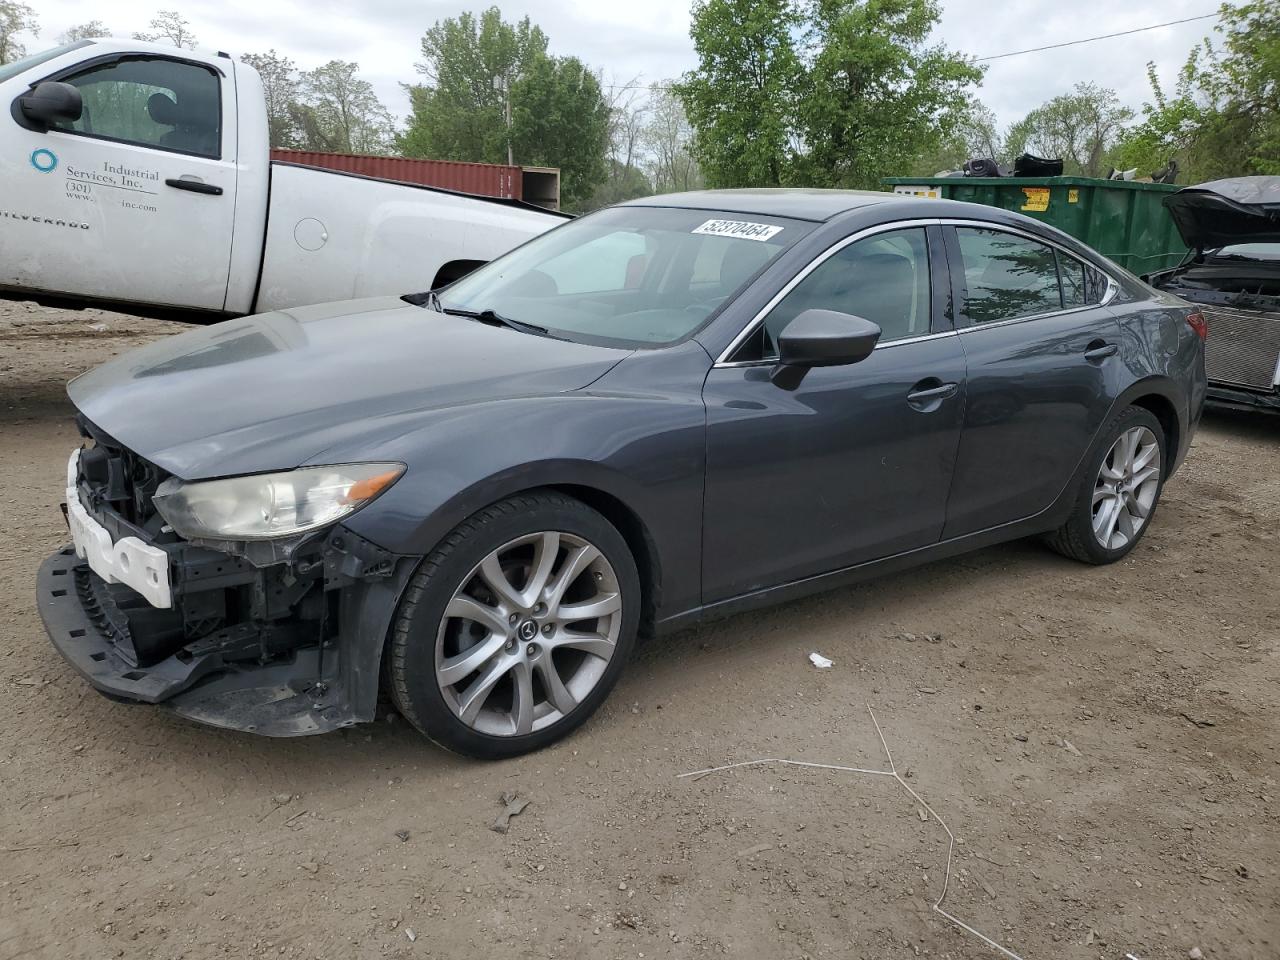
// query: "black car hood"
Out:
[1223,212]
[274,391]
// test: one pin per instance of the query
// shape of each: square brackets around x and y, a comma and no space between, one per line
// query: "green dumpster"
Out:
[1121,219]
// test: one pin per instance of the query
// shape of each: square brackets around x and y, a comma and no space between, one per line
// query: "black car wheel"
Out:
[515,628]
[1119,493]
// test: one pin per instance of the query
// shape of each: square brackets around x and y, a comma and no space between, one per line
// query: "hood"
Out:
[273,391]
[1223,212]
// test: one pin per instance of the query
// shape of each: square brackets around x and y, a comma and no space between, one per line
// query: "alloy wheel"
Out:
[1125,492]
[528,634]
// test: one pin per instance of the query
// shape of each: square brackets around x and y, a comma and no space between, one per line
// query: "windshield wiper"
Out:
[495,319]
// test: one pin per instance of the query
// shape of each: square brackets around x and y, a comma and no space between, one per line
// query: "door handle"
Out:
[1099,350]
[195,186]
[929,393]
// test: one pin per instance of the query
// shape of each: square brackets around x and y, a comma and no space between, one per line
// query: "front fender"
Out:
[646,451]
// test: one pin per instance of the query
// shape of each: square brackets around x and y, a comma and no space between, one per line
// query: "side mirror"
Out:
[826,338]
[46,104]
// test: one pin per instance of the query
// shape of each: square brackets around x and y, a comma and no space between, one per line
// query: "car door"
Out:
[854,462]
[143,184]
[1040,347]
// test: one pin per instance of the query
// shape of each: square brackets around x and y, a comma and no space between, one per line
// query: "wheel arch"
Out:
[454,270]
[639,540]
[1162,408]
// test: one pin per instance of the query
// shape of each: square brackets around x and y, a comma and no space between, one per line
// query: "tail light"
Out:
[1197,322]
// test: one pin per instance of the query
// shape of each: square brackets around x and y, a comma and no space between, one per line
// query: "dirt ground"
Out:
[1102,742]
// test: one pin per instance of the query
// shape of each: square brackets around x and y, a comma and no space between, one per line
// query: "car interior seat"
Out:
[192,131]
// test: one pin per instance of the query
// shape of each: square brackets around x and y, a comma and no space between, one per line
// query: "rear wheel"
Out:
[515,629]
[1119,493]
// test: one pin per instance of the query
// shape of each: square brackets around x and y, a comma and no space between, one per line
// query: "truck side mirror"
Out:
[46,104]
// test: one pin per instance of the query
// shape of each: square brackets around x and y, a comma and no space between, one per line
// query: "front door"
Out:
[135,200]
[855,462]
[1041,351]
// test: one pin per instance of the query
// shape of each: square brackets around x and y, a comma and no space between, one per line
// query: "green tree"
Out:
[1223,116]
[281,89]
[627,115]
[829,93]
[470,67]
[1081,127]
[85,31]
[560,119]
[170,26]
[15,19]
[491,93]
[338,112]
[742,98]
[668,137]
[876,94]
[975,133]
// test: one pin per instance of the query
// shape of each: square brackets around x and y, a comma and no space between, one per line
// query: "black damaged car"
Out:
[1233,273]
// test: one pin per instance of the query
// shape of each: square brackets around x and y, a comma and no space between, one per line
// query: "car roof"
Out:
[796,203]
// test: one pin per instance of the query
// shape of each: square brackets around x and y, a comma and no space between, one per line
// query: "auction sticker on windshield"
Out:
[739,229]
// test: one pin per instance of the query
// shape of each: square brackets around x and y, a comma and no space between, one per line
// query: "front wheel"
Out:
[515,628]
[1119,493]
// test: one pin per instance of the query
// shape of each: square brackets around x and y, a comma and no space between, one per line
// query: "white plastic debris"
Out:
[819,661]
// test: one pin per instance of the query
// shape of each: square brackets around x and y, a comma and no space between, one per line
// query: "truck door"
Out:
[135,200]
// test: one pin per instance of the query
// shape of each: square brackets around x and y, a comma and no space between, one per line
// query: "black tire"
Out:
[410,659]
[1076,538]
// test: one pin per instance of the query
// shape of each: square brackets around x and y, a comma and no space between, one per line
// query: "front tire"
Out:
[1119,492]
[514,630]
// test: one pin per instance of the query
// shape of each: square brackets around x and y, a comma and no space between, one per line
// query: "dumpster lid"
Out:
[1223,212]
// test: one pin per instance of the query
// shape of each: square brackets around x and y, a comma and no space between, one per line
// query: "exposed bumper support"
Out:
[225,678]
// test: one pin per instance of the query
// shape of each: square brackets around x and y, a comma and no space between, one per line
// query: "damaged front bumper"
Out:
[284,650]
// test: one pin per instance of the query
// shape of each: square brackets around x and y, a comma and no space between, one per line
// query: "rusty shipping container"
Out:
[482,179]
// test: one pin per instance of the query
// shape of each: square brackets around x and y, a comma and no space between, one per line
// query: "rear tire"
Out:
[1119,492]
[515,628]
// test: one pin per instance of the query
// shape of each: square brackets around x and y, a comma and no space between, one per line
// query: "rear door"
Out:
[1043,372]
[135,200]
[853,463]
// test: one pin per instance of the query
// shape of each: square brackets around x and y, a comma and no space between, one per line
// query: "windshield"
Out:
[634,276]
[1253,251]
[26,63]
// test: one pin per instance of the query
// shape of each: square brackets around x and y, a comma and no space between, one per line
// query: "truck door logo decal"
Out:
[44,160]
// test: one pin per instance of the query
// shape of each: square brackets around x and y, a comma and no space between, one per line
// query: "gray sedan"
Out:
[475,499]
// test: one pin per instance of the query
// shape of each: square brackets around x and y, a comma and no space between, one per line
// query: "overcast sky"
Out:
[650,38]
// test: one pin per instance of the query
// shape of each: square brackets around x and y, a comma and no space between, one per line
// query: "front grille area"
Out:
[119,480]
[1243,347]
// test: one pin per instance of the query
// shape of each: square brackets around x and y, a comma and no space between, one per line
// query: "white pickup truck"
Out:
[136,176]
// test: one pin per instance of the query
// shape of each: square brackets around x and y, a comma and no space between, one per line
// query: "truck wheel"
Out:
[514,630]
[1119,493]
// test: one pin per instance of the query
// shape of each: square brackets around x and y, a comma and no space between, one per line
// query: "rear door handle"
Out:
[195,186]
[928,394]
[1100,350]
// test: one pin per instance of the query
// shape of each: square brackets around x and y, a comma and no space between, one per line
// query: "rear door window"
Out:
[1007,276]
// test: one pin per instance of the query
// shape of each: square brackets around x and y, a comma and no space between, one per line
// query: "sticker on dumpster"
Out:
[1037,199]
[1073,196]
[738,229]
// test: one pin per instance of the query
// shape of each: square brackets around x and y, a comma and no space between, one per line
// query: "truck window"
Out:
[152,102]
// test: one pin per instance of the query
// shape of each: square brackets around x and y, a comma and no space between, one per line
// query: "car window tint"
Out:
[1075,291]
[1007,276]
[884,278]
[153,103]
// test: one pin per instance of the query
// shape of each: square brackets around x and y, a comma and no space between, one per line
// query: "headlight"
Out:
[271,505]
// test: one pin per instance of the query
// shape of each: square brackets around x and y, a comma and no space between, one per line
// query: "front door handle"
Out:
[1099,350]
[928,394]
[195,186]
